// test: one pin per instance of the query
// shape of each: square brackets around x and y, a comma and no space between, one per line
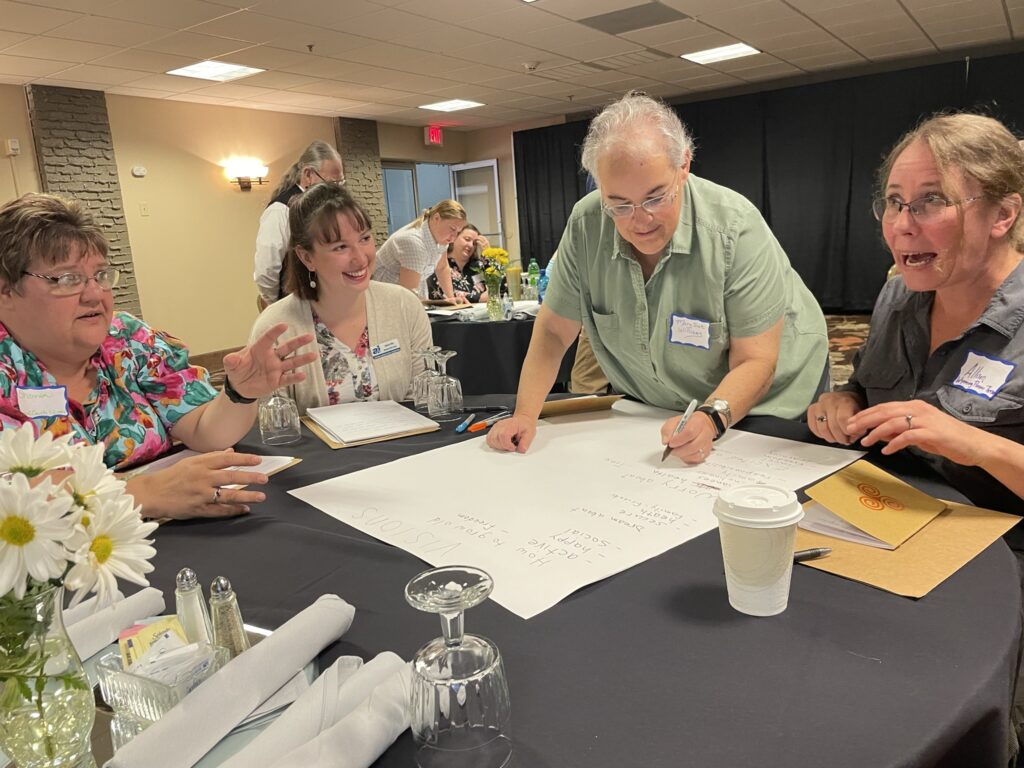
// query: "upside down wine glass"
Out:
[444,393]
[421,381]
[460,704]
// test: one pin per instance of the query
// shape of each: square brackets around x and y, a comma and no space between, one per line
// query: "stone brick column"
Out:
[75,155]
[360,152]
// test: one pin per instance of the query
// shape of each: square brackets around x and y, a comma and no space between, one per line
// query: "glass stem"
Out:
[452,628]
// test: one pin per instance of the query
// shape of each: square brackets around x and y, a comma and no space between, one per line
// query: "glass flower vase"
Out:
[46,702]
[494,309]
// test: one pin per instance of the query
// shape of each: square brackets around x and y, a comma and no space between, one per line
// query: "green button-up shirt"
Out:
[723,276]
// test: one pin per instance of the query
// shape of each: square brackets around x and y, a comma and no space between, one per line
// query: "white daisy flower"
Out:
[22,453]
[116,547]
[33,528]
[91,481]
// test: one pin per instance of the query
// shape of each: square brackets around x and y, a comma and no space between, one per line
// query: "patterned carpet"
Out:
[846,334]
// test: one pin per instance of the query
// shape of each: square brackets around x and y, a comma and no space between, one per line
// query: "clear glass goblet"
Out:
[461,715]
[279,420]
[421,381]
[444,393]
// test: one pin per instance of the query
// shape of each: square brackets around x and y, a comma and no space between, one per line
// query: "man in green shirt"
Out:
[681,287]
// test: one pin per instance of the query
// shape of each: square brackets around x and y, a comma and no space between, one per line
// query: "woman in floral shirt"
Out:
[71,365]
[464,266]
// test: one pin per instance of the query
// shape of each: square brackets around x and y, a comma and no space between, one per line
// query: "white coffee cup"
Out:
[757,527]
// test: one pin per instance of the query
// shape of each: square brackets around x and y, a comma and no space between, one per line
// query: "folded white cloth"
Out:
[91,630]
[182,736]
[347,718]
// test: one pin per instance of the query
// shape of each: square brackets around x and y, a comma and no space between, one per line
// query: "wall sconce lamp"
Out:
[245,171]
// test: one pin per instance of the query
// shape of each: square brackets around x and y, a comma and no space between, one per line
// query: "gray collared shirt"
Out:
[976,377]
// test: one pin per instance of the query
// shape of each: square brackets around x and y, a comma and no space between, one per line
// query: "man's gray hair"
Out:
[616,126]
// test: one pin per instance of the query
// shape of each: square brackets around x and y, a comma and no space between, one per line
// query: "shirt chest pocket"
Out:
[884,383]
[1003,409]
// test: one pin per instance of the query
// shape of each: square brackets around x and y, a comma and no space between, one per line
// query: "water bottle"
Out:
[542,286]
[532,277]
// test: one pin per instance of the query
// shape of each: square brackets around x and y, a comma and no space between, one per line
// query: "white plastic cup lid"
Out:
[758,506]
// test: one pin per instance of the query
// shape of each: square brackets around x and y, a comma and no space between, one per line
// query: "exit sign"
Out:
[433,136]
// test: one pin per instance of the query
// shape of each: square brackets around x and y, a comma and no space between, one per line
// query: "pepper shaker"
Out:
[228,630]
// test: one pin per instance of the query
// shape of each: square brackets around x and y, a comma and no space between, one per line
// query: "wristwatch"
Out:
[233,395]
[720,414]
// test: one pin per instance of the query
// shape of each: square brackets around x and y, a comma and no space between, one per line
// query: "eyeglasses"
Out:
[651,205]
[340,182]
[72,283]
[922,209]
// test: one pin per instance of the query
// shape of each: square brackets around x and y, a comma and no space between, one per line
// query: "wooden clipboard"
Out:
[313,427]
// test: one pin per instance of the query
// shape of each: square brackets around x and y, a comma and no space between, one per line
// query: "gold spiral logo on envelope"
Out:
[874,500]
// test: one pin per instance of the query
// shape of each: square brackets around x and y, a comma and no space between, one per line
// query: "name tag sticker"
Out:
[42,402]
[982,375]
[691,331]
[385,348]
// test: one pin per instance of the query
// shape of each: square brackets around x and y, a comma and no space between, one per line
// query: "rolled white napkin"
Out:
[91,630]
[346,719]
[186,733]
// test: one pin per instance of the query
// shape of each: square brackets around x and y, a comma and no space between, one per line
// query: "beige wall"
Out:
[403,142]
[192,233]
[19,176]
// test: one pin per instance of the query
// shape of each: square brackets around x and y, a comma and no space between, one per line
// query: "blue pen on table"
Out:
[468,420]
[679,427]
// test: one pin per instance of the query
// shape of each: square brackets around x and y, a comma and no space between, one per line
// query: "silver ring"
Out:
[216,496]
[822,419]
[701,452]
[910,421]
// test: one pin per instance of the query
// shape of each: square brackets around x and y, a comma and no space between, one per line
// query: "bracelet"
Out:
[233,394]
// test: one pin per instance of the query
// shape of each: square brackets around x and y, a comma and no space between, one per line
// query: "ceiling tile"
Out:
[169,83]
[129,90]
[581,9]
[666,33]
[708,79]
[21,65]
[19,17]
[269,57]
[278,80]
[335,88]
[508,81]
[195,46]
[196,98]
[965,38]
[694,44]
[75,6]
[598,49]
[516,21]
[8,39]
[233,91]
[175,15]
[885,51]
[699,8]
[456,11]
[89,73]
[953,26]
[42,47]
[830,60]
[145,61]
[669,69]
[878,11]
[509,52]
[330,14]
[478,73]
[94,29]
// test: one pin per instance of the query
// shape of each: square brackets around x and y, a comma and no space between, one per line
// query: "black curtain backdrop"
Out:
[806,156]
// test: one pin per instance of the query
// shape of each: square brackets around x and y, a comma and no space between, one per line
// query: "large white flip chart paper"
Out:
[590,499]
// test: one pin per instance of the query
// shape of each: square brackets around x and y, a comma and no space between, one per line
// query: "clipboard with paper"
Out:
[866,505]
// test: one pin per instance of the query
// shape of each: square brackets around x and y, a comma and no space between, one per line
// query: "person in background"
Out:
[366,331]
[463,263]
[319,162]
[72,365]
[419,249]
[682,288]
[940,373]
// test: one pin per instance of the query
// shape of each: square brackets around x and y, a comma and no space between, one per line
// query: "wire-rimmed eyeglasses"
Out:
[340,182]
[72,283]
[651,205]
[923,208]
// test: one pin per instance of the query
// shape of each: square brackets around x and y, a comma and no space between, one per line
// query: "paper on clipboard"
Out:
[950,541]
[269,465]
[349,424]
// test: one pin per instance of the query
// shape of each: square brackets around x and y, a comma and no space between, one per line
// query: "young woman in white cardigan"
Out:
[366,332]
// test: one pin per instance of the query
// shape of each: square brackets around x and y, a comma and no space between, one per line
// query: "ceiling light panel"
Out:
[219,71]
[722,53]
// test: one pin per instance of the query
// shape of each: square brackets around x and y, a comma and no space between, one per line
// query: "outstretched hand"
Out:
[915,422]
[265,365]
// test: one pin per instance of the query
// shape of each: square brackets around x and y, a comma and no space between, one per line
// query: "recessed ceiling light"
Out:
[451,106]
[711,55]
[221,71]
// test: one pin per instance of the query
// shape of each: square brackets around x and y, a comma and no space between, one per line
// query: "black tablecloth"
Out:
[651,667]
[491,354]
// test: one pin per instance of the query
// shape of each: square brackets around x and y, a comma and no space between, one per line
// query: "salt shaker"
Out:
[228,631]
[191,607]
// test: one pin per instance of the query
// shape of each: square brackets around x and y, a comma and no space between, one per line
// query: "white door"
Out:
[476,187]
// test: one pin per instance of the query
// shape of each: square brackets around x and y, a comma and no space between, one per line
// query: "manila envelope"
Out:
[954,538]
[877,503]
